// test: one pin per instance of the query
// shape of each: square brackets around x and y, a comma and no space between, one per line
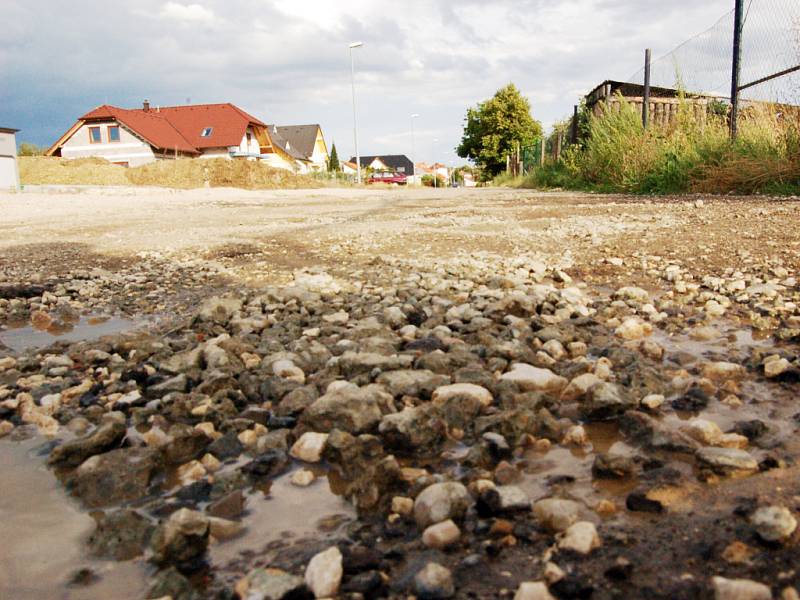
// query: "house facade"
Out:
[133,137]
[9,172]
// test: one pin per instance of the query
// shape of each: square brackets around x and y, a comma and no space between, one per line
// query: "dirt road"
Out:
[367,391]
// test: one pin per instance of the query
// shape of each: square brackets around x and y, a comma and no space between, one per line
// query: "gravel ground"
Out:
[371,393]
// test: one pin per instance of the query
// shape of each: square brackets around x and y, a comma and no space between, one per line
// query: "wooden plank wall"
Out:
[663,111]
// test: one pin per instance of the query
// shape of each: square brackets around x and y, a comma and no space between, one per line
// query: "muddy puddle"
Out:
[43,537]
[282,515]
[30,336]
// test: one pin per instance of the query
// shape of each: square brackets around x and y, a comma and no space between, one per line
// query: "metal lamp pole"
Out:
[435,174]
[355,121]
[413,149]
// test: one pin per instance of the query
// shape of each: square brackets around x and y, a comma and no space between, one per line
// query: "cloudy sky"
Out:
[287,62]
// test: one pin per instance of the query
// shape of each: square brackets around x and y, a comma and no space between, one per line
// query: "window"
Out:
[206,132]
[401,169]
[249,137]
[94,135]
[113,133]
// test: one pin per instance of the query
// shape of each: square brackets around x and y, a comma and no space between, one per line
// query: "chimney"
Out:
[146,105]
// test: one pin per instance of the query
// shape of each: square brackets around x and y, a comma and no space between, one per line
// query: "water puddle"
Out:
[283,514]
[27,337]
[43,535]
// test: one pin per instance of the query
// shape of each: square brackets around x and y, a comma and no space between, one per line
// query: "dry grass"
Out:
[183,173]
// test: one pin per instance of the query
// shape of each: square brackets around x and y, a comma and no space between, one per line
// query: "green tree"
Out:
[494,127]
[333,161]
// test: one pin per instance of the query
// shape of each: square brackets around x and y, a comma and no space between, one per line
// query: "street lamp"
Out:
[355,122]
[435,174]
[413,149]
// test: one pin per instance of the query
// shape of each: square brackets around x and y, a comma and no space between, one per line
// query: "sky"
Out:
[288,61]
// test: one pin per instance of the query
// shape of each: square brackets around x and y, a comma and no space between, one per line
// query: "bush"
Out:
[427,180]
[690,155]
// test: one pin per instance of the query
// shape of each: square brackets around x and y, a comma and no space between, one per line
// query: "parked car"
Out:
[388,177]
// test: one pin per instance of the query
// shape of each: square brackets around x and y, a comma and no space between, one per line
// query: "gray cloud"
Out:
[288,62]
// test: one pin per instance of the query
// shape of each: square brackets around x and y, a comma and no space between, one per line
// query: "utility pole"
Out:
[355,122]
[738,27]
[646,98]
[413,150]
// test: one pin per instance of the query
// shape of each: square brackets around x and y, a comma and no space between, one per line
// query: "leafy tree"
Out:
[28,149]
[333,161]
[494,127]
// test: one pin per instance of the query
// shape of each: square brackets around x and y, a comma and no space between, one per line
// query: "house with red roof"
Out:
[133,137]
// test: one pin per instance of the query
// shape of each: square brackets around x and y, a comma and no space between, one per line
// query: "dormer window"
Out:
[206,132]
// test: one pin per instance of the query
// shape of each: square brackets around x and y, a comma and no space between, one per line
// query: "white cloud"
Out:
[187,12]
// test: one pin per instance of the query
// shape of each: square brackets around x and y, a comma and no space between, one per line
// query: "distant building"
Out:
[9,171]
[133,137]
[397,163]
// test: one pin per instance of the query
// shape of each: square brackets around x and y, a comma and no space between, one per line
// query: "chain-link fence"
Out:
[770,56]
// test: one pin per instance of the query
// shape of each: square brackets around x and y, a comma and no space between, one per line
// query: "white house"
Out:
[9,171]
[132,137]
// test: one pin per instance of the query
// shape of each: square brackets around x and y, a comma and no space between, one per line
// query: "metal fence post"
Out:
[574,132]
[542,144]
[737,65]
[646,98]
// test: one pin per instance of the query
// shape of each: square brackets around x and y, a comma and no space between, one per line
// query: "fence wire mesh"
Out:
[770,45]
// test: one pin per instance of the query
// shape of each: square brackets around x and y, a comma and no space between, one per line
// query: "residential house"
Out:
[133,137]
[349,167]
[438,168]
[9,172]
[309,142]
[397,163]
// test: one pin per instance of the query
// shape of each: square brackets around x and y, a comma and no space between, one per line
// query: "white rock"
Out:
[704,431]
[441,534]
[556,514]
[534,379]
[533,590]
[633,329]
[324,573]
[653,401]
[459,390]
[303,478]
[579,386]
[773,523]
[580,537]
[739,589]
[774,368]
[337,318]
[722,371]
[441,501]
[309,447]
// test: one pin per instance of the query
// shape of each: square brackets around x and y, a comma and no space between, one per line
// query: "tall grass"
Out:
[693,153]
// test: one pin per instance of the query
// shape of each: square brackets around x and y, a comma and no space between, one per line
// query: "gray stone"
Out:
[351,409]
[441,501]
[408,382]
[269,584]
[773,523]
[727,461]
[556,514]
[607,400]
[106,436]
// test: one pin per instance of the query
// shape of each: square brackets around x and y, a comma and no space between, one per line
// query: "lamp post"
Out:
[413,149]
[435,174]
[355,121]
